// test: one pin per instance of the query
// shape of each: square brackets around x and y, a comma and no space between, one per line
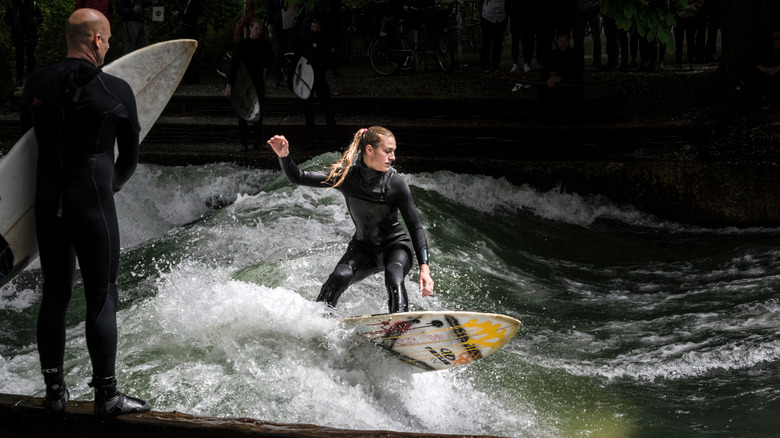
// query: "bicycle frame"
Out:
[392,51]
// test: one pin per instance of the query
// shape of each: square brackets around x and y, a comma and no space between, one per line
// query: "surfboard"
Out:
[302,78]
[436,340]
[153,73]
[243,96]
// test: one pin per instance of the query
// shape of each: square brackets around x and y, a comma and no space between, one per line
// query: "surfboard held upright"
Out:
[153,73]
[436,340]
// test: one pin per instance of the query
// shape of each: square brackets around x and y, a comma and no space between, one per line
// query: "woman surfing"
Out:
[374,193]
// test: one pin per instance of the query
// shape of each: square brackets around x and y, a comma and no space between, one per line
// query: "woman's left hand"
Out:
[426,282]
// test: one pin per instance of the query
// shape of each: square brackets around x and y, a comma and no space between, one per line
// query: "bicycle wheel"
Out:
[474,34]
[385,54]
[445,52]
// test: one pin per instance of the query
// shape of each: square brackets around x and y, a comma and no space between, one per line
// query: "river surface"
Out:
[632,326]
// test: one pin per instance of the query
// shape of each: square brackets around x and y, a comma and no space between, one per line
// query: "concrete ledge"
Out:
[22,416]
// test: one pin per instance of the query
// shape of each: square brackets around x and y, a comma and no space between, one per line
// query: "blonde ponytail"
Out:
[366,136]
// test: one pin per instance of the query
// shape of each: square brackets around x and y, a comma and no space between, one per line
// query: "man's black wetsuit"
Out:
[77,112]
[374,199]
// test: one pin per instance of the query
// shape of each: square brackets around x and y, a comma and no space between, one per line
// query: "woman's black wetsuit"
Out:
[77,112]
[374,199]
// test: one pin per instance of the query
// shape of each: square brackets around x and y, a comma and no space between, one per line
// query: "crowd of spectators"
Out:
[695,34]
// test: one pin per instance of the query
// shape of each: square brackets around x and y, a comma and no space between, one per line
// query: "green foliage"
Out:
[216,30]
[51,45]
[654,23]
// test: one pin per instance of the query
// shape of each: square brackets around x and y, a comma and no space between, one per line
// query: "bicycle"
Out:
[361,26]
[392,51]
[465,21]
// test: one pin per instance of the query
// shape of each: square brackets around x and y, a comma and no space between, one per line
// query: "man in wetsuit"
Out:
[375,194]
[77,112]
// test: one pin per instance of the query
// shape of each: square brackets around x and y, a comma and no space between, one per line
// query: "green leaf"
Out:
[629,11]
[651,33]
[641,28]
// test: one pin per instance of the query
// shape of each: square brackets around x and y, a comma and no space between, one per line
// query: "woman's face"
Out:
[256,30]
[381,156]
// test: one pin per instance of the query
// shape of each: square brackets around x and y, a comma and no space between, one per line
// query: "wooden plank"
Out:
[23,417]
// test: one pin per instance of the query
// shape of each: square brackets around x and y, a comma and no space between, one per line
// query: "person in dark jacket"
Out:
[78,113]
[765,78]
[24,17]
[188,28]
[256,54]
[375,194]
[318,51]
[562,77]
[135,35]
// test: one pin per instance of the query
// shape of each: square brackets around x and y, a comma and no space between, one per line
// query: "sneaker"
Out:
[514,69]
[526,68]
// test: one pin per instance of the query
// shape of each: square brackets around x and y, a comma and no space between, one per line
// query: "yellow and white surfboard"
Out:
[437,340]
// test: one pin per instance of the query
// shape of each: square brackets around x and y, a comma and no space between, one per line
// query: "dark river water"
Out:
[632,326]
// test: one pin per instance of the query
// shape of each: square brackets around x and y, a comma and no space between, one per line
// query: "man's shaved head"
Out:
[87,33]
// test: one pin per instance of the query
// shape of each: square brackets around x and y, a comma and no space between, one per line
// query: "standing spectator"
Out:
[545,15]
[103,6]
[616,39]
[493,18]
[255,53]
[648,50]
[317,50]
[188,19]
[766,75]
[188,28]
[562,77]
[24,17]
[563,66]
[135,34]
[284,17]
[536,28]
[588,13]
[685,30]
[333,27]
[710,17]
[273,19]
[522,32]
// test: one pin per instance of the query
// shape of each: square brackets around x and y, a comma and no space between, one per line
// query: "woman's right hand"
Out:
[280,145]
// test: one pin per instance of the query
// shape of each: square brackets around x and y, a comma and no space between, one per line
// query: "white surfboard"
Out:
[153,73]
[436,340]
[243,97]
[303,78]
